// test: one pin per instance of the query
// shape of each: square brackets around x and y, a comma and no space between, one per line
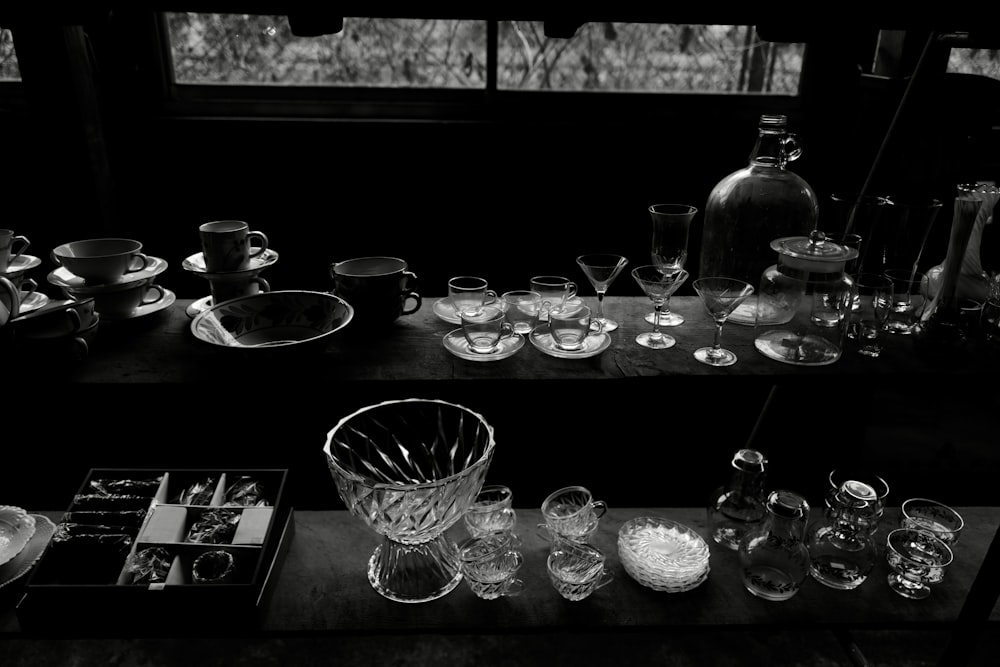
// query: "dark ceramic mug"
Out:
[378,288]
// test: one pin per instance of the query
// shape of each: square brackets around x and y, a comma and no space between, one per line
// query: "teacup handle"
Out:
[600,507]
[490,297]
[74,320]
[161,293]
[15,300]
[262,242]
[506,329]
[139,262]
[80,348]
[23,240]
[607,576]
[28,287]
[263,284]
[410,294]
[596,327]
[570,291]
[513,588]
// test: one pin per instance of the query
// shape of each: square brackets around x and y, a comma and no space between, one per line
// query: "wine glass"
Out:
[658,286]
[671,224]
[601,270]
[721,296]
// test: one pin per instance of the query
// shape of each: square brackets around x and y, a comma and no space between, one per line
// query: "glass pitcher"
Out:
[774,558]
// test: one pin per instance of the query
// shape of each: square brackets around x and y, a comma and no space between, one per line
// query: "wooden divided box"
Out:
[156,552]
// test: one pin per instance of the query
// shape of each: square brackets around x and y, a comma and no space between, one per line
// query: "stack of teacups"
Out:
[663,554]
[115,272]
[231,259]
[491,556]
[60,331]
[14,266]
[572,514]
[576,569]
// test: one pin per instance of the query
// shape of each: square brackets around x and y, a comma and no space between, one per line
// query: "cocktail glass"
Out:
[658,286]
[410,469]
[721,297]
[671,226]
[601,270]
[917,559]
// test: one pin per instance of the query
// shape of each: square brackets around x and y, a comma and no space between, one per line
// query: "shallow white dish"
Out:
[16,528]
[22,563]
[20,264]
[62,277]
[148,309]
[663,554]
[455,342]
[592,345]
[31,302]
[196,264]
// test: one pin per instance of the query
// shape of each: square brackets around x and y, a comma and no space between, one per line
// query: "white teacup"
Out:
[224,289]
[57,319]
[124,302]
[101,261]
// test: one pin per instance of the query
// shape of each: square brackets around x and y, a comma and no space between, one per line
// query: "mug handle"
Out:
[161,293]
[600,507]
[142,265]
[23,240]
[261,238]
[417,302]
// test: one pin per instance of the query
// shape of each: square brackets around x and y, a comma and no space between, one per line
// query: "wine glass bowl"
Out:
[601,270]
[669,249]
[720,296]
[658,286]
[917,559]
[410,469]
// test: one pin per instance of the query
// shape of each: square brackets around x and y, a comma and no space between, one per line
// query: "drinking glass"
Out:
[658,286]
[601,270]
[909,295]
[721,297]
[931,516]
[873,292]
[671,224]
[917,559]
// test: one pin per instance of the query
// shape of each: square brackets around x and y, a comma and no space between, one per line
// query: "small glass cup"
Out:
[491,511]
[490,563]
[917,559]
[522,308]
[929,515]
[570,324]
[577,570]
[837,478]
[484,327]
[470,292]
[909,296]
[866,323]
[213,567]
[572,513]
[555,291]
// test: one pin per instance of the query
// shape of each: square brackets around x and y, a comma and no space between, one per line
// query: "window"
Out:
[985,62]
[230,49]
[9,70]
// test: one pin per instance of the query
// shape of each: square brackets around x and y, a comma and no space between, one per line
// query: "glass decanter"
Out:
[774,558]
[750,207]
[842,552]
[738,507]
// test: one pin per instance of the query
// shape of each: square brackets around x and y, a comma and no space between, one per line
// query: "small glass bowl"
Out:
[929,515]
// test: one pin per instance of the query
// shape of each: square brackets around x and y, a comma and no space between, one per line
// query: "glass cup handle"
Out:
[607,576]
[506,329]
[490,297]
[571,289]
[600,507]
[513,588]
[598,331]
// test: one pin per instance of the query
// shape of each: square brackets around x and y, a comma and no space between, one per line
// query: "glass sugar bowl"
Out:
[803,300]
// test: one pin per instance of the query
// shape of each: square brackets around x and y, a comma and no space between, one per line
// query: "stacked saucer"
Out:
[663,554]
[229,284]
[30,298]
[120,278]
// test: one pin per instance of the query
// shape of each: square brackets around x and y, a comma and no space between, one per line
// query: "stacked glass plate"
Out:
[662,554]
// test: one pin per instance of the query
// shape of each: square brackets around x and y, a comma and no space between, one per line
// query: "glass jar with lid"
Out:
[803,301]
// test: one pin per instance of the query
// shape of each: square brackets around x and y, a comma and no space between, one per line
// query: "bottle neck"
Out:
[747,484]
[769,151]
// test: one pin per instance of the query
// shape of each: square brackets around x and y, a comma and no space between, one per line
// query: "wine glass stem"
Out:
[666,306]
[657,307]
[600,306]
[717,345]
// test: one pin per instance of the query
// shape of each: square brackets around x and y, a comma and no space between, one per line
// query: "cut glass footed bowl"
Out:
[410,469]
[16,528]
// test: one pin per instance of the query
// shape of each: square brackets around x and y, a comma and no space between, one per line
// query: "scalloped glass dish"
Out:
[663,554]
[16,529]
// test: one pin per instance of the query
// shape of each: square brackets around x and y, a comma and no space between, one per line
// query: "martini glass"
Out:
[721,297]
[601,270]
[671,224]
[658,286]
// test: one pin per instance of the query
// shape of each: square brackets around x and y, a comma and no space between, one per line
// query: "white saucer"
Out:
[456,343]
[31,302]
[168,300]
[19,265]
[20,564]
[444,309]
[62,277]
[592,345]
[196,307]
[196,264]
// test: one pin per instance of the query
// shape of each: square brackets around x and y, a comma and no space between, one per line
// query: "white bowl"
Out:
[16,528]
[269,320]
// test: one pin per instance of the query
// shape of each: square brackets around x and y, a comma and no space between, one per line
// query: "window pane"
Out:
[647,57]
[975,61]
[261,50]
[9,70]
